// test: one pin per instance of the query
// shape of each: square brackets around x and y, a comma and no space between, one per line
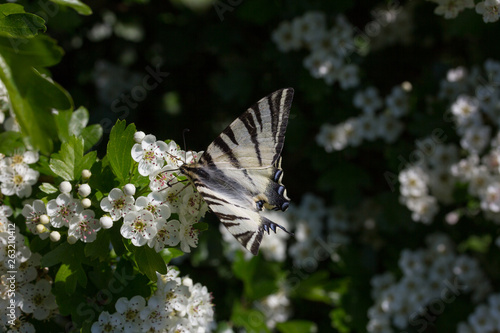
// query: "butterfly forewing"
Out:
[240,172]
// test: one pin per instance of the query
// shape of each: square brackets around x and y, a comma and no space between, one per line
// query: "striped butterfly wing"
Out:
[240,172]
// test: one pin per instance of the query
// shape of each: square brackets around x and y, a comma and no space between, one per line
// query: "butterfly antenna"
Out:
[184,139]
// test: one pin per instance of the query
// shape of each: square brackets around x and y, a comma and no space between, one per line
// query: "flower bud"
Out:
[65,187]
[84,190]
[86,174]
[106,222]
[44,219]
[55,236]
[86,203]
[129,189]
[139,136]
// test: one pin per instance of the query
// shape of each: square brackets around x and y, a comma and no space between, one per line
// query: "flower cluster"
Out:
[319,231]
[484,319]
[328,47]
[435,168]
[31,292]
[16,177]
[178,305]
[166,217]
[489,9]
[370,125]
[435,274]
[63,212]
[276,307]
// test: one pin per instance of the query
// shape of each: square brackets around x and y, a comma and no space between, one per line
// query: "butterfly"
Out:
[240,172]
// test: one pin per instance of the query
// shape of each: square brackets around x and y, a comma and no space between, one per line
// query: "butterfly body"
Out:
[240,172]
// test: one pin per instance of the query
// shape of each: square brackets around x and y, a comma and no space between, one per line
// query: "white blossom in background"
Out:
[428,273]
[368,100]
[397,102]
[276,307]
[490,9]
[329,48]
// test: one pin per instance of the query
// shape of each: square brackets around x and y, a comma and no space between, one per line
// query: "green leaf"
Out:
[92,135]
[62,119]
[250,319]
[33,96]
[149,262]
[10,141]
[80,7]
[170,253]
[69,162]
[121,141]
[260,278]
[39,51]
[57,255]
[98,248]
[79,119]
[48,188]
[201,226]
[297,326]
[70,274]
[15,22]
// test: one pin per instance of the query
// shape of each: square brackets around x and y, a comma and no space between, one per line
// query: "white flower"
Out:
[108,323]
[490,9]
[450,8]
[5,212]
[423,208]
[285,37]
[117,204]
[481,320]
[38,299]
[130,312]
[155,204]
[139,227]
[167,234]
[32,214]
[200,309]
[466,111]
[368,100]
[154,315]
[397,102]
[22,158]
[276,307]
[476,138]
[193,206]
[443,156]
[17,180]
[412,263]
[348,76]
[389,127]
[150,154]
[369,126]
[306,27]
[62,209]
[164,179]
[413,182]
[84,226]
[188,235]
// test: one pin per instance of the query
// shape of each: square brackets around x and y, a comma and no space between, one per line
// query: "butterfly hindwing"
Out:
[240,172]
